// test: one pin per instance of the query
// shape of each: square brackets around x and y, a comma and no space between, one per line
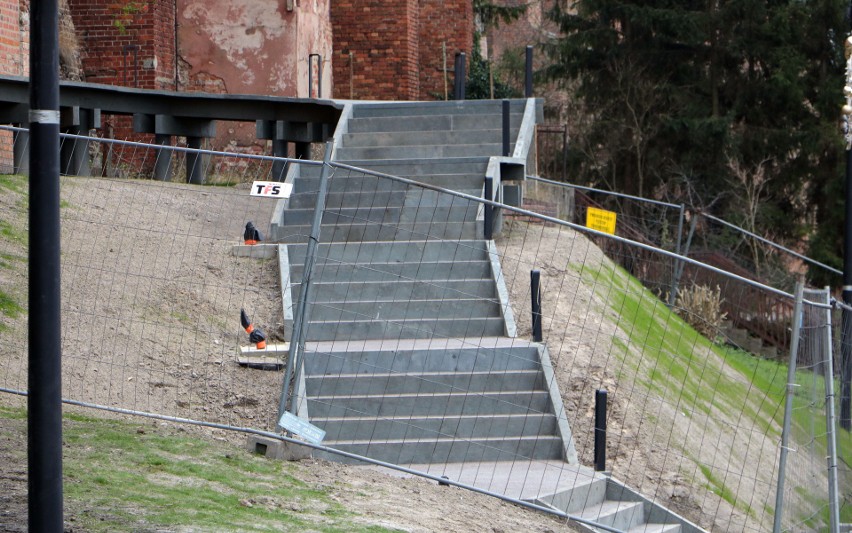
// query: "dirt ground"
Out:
[151,300]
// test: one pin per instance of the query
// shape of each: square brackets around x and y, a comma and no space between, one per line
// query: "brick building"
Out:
[366,49]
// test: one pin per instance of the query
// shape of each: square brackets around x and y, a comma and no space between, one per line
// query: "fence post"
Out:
[44,403]
[788,408]
[488,209]
[679,264]
[506,126]
[600,430]
[535,290]
[830,420]
[300,318]
[528,73]
[458,93]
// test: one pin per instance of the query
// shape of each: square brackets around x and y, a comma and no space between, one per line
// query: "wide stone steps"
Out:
[408,358]
[411,401]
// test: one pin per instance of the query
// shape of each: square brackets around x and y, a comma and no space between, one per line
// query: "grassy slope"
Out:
[122,476]
[677,363]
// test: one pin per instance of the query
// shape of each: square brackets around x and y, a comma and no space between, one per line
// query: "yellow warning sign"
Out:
[601,220]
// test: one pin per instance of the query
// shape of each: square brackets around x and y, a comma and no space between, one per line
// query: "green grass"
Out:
[119,476]
[9,307]
[717,486]
[14,183]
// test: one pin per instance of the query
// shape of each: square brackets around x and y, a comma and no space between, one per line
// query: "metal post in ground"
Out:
[300,315]
[846,331]
[600,430]
[44,402]
[528,73]
[507,109]
[488,209]
[830,420]
[535,294]
[460,76]
[788,408]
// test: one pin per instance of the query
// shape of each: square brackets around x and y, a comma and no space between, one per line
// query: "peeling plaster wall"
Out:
[239,47]
[314,38]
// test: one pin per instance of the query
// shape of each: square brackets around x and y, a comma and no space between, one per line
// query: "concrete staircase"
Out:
[412,355]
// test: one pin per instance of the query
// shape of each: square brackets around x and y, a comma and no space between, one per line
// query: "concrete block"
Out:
[255,251]
[277,449]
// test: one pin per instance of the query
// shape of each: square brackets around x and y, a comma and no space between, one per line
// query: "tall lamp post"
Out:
[846,332]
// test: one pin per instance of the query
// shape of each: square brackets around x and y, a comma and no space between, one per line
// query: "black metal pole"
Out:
[528,73]
[535,294]
[600,430]
[846,334]
[44,403]
[488,209]
[506,126]
[460,75]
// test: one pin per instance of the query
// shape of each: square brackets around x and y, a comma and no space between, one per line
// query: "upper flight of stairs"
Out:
[412,355]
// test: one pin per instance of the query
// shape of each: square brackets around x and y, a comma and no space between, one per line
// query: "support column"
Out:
[279,168]
[303,150]
[163,164]
[194,162]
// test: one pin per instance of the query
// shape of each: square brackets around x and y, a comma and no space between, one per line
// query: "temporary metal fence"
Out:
[416,349]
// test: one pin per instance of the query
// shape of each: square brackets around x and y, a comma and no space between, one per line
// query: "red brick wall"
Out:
[449,22]
[382,36]
[393,50]
[127,42]
[14,37]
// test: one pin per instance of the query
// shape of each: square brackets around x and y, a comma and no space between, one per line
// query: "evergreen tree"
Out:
[708,98]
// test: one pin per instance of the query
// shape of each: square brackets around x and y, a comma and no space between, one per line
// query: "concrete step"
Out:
[362,184]
[414,328]
[586,491]
[411,197]
[416,167]
[451,107]
[423,382]
[621,515]
[402,290]
[656,528]
[394,251]
[445,122]
[397,310]
[384,215]
[532,402]
[359,232]
[416,138]
[421,151]
[434,427]
[389,198]
[453,451]
[464,355]
[394,271]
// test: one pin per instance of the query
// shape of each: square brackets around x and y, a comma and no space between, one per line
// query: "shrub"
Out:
[701,307]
